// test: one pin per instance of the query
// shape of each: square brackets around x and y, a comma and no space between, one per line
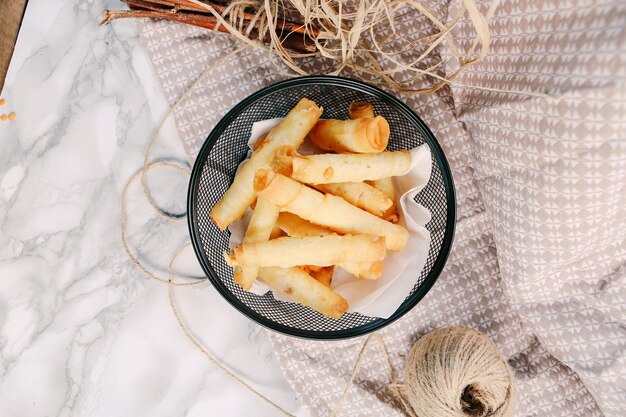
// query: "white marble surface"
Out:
[84,333]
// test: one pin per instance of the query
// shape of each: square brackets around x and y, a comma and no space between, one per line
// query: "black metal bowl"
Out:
[226,147]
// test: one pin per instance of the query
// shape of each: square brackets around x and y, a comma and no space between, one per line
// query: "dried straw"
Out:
[387,42]
[363,36]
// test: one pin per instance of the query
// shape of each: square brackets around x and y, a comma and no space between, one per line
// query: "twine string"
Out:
[393,385]
[209,355]
[124,220]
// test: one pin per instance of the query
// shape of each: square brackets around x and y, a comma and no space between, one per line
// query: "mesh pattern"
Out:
[217,168]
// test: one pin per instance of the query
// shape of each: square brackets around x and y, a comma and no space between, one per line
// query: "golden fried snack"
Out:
[260,228]
[296,227]
[326,210]
[286,252]
[386,186]
[324,275]
[306,290]
[366,135]
[282,160]
[365,270]
[291,131]
[334,168]
[360,109]
[359,194]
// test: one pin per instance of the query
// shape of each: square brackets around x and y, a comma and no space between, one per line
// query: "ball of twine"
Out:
[458,372]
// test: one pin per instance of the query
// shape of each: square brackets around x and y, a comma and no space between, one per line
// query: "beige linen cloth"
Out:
[538,261]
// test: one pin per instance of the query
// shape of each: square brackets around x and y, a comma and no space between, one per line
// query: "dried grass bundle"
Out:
[390,41]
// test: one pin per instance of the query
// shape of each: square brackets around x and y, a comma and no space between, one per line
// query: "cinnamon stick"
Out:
[294,41]
[219,7]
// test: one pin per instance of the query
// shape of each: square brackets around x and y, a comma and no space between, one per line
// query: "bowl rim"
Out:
[377,323]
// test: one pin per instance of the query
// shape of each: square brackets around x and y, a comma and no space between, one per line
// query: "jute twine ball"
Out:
[458,372]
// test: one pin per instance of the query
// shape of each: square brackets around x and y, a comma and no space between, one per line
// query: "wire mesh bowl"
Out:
[226,147]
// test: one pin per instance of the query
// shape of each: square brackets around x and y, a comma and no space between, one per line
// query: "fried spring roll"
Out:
[359,194]
[360,109]
[366,135]
[286,252]
[386,186]
[297,227]
[326,210]
[260,228]
[334,168]
[305,289]
[282,160]
[324,275]
[291,131]
[365,270]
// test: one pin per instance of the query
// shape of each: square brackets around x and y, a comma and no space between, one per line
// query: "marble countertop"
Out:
[83,332]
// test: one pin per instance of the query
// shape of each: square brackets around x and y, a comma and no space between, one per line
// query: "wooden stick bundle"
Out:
[292,35]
